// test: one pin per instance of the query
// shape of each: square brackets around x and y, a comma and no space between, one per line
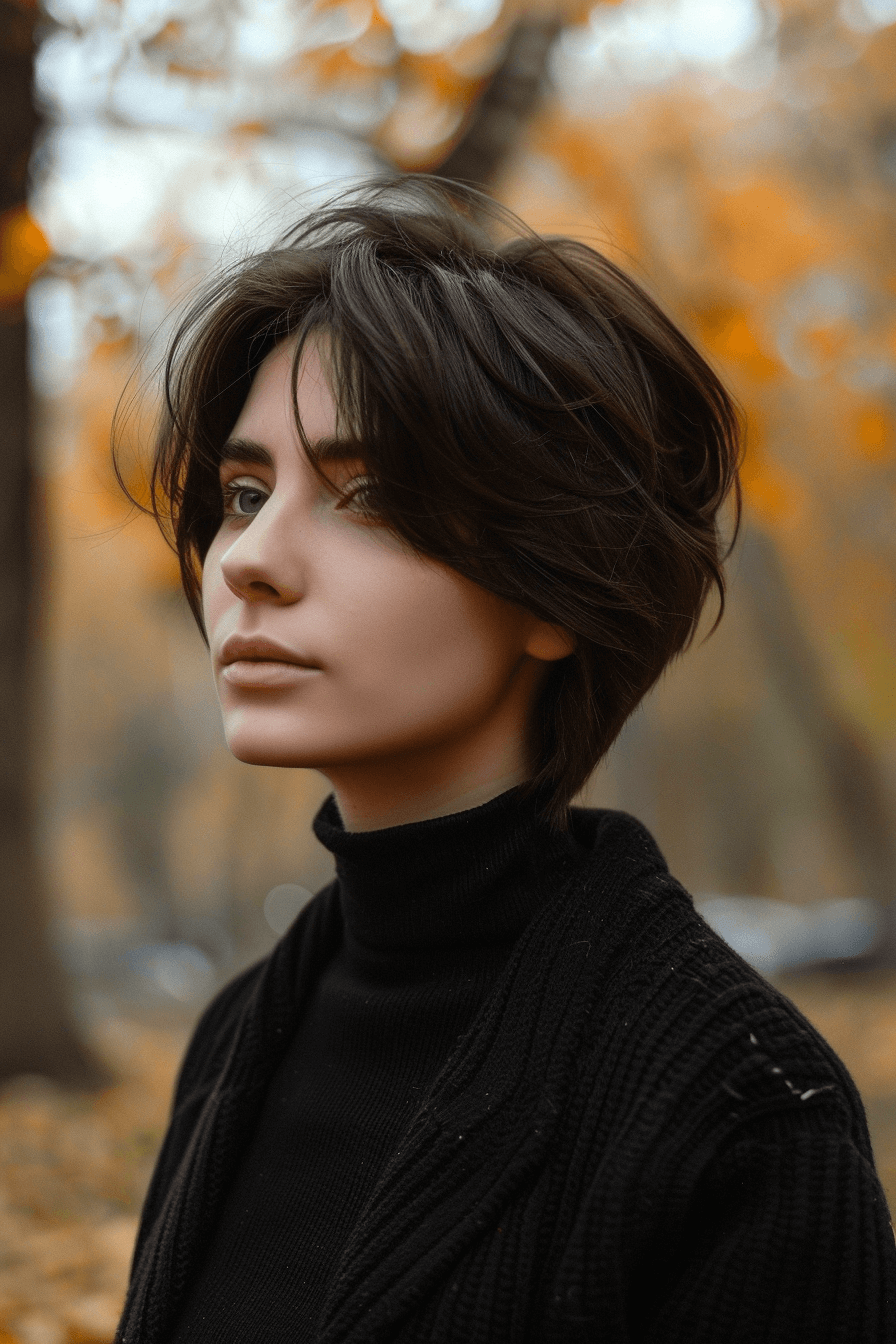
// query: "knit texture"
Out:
[636,1139]
[415,965]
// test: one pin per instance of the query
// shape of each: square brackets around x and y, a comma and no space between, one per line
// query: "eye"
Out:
[359,495]
[244,497]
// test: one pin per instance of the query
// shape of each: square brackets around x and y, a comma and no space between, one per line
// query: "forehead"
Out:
[269,409]
[266,427]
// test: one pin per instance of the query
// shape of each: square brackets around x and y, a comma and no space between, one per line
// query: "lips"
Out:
[253,649]
[254,663]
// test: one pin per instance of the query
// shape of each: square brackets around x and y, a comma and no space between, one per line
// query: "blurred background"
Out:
[740,157]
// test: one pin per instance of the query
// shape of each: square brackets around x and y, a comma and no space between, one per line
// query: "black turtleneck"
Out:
[430,912]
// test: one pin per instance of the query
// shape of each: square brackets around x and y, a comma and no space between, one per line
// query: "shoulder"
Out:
[213,1034]
[712,1043]
[229,1021]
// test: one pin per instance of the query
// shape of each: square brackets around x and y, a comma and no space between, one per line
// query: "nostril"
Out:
[253,589]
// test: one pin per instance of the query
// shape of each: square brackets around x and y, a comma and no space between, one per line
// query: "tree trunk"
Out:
[37,1034]
[851,772]
[510,98]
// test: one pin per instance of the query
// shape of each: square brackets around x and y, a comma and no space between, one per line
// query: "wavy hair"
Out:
[528,416]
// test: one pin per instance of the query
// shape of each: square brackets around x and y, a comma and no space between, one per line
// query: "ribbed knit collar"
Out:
[470,878]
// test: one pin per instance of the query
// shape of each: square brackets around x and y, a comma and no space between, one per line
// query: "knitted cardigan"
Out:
[638,1141]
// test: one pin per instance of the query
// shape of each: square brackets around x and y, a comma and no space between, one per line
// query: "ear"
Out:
[550,643]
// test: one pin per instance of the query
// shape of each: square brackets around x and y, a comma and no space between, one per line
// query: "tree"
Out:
[37,1033]
[509,99]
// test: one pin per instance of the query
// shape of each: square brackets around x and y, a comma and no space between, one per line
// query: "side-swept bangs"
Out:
[527,414]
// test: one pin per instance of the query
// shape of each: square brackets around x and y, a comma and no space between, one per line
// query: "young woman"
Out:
[446,508]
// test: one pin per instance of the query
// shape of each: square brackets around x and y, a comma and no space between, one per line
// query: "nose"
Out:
[262,564]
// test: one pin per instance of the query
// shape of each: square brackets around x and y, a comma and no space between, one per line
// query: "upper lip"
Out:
[253,648]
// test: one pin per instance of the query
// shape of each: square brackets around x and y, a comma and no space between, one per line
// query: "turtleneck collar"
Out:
[470,878]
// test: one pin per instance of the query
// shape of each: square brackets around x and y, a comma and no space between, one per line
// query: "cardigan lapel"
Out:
[170,1249]
[487,1122]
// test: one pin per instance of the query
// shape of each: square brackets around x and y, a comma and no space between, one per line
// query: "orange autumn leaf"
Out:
[874,434]
[728,333]
[765,234]
[23,248]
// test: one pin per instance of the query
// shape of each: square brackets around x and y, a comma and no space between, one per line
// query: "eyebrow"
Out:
[245,450]
[324,450]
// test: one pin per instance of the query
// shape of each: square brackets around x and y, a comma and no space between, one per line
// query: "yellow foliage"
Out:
[439,75]
[574,145]
[172,32]
[874,434]
[195,72]
[73,1171]
[770,491]
[727,333]
[827,342]
[764,233]
[334,66]
[251,128]
[23,248]
[869,653]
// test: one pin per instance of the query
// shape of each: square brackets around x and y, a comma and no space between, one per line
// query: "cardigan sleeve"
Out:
[199,1067]
[789,1241]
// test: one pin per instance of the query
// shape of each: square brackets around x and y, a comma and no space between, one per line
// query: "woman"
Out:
[445,510]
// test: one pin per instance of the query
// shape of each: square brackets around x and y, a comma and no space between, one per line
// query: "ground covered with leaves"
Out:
[74,1167]
[73,1171]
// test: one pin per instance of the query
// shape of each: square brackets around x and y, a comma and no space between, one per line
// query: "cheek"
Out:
[216,596]
[432,634]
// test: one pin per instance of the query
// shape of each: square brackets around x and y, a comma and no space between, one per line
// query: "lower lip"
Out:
[266,675]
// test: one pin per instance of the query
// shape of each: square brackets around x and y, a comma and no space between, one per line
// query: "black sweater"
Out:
[635,1139]
[416,961]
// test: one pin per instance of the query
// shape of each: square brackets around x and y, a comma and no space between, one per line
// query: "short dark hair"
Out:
[527,413]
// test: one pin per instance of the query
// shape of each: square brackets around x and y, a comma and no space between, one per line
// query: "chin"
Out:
[261,740]
[263,744]
[253,749]
[284,745]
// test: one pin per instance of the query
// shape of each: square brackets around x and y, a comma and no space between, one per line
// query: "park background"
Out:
[740,157]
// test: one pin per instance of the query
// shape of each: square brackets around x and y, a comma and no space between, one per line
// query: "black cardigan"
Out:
[638,1139]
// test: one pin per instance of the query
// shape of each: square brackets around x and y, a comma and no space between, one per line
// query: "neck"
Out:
[469,878]
[371,809]
[434,780]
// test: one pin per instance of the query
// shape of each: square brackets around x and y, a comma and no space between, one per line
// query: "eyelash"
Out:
[232,489]
[347,496]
